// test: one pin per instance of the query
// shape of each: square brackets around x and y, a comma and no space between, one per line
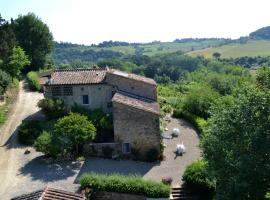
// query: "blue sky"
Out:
[94,21]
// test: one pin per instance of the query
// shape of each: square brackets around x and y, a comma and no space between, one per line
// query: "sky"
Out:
[93,21]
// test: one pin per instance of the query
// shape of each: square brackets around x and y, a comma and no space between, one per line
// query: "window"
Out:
[67,91]
[85,99]
[126,147]
[56,91]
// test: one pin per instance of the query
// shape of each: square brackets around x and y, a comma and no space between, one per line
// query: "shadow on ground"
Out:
[107,166]
[40,170]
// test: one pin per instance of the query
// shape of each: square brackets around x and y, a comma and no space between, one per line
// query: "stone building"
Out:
[131,98]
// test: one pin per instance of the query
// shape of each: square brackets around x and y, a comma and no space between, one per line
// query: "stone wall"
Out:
[122,196]
[137,127]
[117,196]
[132,86]
[99,95]
[102,149]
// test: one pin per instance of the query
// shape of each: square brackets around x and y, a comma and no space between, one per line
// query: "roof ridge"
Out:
[82,69]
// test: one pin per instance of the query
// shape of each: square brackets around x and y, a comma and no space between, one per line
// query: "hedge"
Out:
[32,78]
[131,184]
[198,122]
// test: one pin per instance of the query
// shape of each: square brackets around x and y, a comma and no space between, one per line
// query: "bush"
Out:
[106,122]
[48,144]
[198,122]
[197,179]
[5,80]
[52,108]
[28,132]
[124,184]
[33,82]
[152,155]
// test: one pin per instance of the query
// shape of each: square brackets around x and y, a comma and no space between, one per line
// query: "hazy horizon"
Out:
[95,21]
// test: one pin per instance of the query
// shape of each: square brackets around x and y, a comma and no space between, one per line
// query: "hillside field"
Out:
[252,48]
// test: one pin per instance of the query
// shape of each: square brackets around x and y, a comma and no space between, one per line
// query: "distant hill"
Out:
[251,48]
[262,33]
[65,53]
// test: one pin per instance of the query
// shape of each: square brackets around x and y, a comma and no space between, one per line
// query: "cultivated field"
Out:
[252,48]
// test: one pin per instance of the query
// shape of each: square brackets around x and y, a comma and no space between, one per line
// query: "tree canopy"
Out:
[236,146]
[35,38]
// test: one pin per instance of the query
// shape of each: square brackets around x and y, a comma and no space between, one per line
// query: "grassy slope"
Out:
[252,48]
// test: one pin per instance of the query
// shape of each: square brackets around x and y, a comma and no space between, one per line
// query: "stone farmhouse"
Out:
[132,99]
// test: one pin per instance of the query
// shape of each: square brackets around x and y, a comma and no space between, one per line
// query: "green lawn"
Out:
[252,48]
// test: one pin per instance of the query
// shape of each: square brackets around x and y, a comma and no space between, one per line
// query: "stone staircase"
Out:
[180,193]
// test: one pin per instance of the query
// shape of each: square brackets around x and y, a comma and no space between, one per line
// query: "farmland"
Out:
[234,50]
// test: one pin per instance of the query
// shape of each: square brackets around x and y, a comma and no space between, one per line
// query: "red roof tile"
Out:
[77,76]
[50,194]
[132,76]
[136,102]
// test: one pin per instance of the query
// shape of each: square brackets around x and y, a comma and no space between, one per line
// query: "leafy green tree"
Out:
[199,100]
[35,38]
[263,77]
[76,129]
[216,55]
[7,39]
[236,146]
[16,62]
[5,80]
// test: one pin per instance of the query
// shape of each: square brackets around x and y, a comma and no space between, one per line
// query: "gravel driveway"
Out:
[20,173]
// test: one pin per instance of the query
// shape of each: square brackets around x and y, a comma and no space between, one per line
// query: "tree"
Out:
[16,62]
[76,129]
[35,38]
[7,39]
[216,55]
[263,77]
[236,146]
[5,80]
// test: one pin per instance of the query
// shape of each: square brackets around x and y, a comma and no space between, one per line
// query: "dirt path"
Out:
[9,149]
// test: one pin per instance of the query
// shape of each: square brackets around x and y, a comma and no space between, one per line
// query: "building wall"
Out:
[132,86]
[137,127]
[99,95]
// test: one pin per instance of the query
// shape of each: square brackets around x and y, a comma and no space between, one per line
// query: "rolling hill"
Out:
[235,50]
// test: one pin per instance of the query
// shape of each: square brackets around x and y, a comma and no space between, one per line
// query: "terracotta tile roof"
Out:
[77,76]
[50,194]
[132,76]
[136,102]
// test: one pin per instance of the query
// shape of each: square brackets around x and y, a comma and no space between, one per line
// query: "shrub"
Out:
[48,144]
[52,108]
[33,82]
[152,155]
[28,132]
[124,184]
[198,180]
[198,122]
[5,80]
[106,122]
